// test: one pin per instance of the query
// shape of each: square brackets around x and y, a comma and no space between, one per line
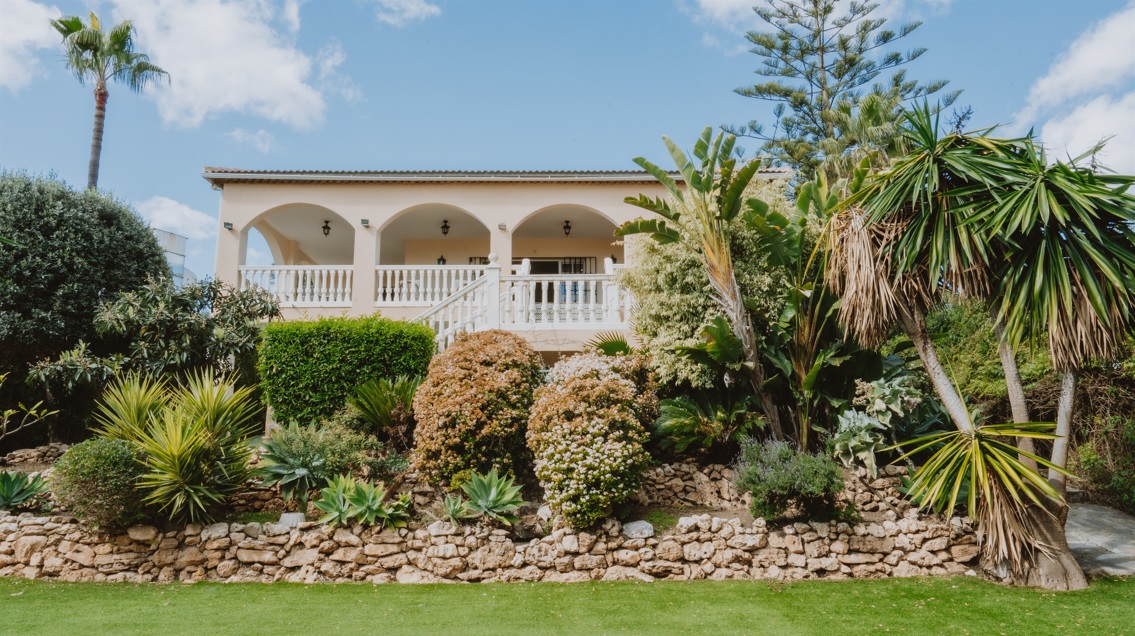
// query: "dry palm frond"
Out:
[858,271]
[1080,334]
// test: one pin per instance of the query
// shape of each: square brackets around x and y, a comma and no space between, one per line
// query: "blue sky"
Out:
[497,84]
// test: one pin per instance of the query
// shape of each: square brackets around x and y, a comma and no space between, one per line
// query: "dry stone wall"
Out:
[886,543]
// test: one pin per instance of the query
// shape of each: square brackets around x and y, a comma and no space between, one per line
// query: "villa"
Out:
[529,252]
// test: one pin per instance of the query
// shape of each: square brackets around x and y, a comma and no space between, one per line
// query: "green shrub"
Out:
[779,476]
[588,445]
[71,250]
[18,490]
[686,422]
[300,458]
[492,496]
[97,481]
[309,369]
[473,406]
[194,440]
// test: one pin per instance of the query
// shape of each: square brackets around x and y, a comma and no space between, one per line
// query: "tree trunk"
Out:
[1063,432]
[1052,569]
[1016,390]
[101,96]
[913,322]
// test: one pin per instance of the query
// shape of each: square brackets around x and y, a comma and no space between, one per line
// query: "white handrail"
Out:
[563,300]
[302,285]
[421,285]
[465,310]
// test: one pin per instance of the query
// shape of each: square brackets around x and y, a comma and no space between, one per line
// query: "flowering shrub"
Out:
[634,368]
[587,441]
[473,405]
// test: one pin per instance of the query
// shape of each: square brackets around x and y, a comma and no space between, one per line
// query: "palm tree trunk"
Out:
[913,322]
[101,96]
[1016,390]
[1063,431]
[1053,567]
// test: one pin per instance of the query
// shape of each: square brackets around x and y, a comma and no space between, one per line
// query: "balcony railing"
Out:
[302,285]
[421,285]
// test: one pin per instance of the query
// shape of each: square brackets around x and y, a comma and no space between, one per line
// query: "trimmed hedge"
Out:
[309,369]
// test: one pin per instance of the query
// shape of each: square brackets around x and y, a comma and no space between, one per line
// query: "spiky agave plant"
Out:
[984,466]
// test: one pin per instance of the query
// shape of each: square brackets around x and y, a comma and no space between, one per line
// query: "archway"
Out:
[416,236]
[566,239]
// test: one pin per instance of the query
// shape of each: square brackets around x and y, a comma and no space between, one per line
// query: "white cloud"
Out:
[1076,132]
[330,58]
[291,14]
[169,215]
[737,16]
[225,56]
[1101,59]
[402,12]
[24,30]
[262,140]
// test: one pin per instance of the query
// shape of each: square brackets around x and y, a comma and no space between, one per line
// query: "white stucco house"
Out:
[530,252]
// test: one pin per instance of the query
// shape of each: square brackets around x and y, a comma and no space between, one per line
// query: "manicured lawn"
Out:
[919,606]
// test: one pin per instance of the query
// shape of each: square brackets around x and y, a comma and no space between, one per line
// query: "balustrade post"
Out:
[492,311]
[363,286]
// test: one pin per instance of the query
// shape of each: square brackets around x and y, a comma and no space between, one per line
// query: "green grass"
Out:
[661,520]
[257,517]
[912,606]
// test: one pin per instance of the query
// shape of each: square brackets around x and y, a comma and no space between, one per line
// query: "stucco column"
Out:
[366,256]
[231,245]
[500,243]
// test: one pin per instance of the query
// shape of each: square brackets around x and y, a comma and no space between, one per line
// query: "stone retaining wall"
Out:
[886,543]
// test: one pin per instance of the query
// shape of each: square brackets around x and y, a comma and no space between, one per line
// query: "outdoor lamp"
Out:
[228,226]
[441,260]
[445,227]
[567,228]
[366,222]
[326,228]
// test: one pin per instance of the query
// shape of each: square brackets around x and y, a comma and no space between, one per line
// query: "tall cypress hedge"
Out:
[309,368]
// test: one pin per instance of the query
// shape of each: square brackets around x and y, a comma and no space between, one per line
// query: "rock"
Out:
[83,555]
[256,556]
[904,570]
[142,534]
[214,531]
[345,537]
[936,545]
[492,556]
[189,557]
[300,558]
[570,543]
[627,557]
[964,553]
[589,562]
[638,530]
[566,577]
[685,524]
[227,568]
[544,513]
[348,555]
[669,551]
[622,573]
[441,529]
[381,549]
[292,519]
[27,547]
[411,574]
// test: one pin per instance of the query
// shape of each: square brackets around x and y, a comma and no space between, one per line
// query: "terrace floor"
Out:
[1102,538]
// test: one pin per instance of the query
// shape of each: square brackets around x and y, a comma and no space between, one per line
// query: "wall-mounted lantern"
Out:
[326,228]
[441,260]
[366,222]
[228,225]
[445,227]
[567,228]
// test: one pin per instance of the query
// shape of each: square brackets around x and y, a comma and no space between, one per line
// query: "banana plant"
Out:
[699,217]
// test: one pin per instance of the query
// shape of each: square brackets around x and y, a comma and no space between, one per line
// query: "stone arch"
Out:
[294,235]
[413,236]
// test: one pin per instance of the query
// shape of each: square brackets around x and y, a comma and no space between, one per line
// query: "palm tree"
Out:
[973,215]
[101,56]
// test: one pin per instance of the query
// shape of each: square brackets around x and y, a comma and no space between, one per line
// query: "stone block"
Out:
[638,530]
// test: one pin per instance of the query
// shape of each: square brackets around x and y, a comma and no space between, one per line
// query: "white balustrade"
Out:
[563,301]
[302,285]
[421,285]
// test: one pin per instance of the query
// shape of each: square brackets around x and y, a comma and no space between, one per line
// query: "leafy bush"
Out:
[70,251]
[97,481]
[17,419]
[194,440]
[703,422]
[388,406]
[17,490]
[779,476]
[309,369]
[588,445]
[346,499]
[299,458]
[856,439]
[492,496]
[1106,458]
[473,405]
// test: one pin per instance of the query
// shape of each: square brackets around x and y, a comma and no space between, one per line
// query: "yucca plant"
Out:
[334,500]
[193,439]
[17,489]
[493,496]
[985,466]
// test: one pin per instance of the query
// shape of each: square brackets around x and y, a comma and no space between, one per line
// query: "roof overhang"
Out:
[218,177]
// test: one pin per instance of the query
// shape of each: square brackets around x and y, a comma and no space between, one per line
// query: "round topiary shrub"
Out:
[96,480]
[473,406]
[587,440]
